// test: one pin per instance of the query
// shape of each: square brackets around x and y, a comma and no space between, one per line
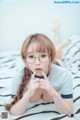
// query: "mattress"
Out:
[10,60]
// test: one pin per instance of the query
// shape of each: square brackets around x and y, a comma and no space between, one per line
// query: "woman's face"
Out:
[37,61]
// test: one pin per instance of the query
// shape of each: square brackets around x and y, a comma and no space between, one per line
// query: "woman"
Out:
[41,78]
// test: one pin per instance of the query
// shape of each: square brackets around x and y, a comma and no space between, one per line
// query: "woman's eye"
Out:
[31,56]
[43,55]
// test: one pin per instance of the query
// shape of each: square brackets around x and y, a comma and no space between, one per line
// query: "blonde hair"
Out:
[43,43]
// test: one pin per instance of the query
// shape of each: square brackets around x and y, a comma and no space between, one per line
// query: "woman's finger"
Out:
[45,77]
[43,87]
[33,75]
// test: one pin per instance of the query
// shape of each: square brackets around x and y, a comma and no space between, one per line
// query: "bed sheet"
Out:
[40,110]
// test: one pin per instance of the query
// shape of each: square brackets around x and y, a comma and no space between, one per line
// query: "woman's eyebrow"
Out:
[30,52]
[36,52]
[33,53]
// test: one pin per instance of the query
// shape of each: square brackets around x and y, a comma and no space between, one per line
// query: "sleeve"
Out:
[67,87]
[16,80]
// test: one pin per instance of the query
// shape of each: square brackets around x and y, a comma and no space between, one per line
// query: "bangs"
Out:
[39,45]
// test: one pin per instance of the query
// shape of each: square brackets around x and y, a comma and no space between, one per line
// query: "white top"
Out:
[59,78]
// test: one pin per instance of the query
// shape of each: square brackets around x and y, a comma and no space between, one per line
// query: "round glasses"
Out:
[42,58]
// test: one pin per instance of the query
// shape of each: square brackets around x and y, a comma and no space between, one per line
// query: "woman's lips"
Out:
[38,70]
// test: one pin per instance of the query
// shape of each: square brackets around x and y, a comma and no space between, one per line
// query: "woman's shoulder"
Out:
[18,73]
[60,76]
[17,78]
[58,68]
[58,71]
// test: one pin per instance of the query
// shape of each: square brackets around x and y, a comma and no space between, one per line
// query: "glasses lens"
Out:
[43,57]
[30,58]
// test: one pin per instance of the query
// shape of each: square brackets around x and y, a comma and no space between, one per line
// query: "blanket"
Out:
[9,60]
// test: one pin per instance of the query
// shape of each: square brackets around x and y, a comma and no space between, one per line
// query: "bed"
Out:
[10,60]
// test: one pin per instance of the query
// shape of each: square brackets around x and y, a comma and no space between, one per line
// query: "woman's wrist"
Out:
[53,92]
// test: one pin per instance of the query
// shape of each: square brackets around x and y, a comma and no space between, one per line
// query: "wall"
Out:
[19,18]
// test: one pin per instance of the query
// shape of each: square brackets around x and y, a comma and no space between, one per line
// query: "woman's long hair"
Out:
[43,44]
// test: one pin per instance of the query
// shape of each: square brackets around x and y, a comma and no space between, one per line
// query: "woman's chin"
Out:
[38,74]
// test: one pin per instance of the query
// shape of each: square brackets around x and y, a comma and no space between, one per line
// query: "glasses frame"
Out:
[38,59]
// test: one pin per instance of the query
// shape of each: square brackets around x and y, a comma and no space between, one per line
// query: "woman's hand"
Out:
[33,86]
[45,84]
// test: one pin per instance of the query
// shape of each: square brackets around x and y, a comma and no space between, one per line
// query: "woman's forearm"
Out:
[62,106]
[19,107]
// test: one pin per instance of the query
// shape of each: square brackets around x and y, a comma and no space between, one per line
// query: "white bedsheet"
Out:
[41,110]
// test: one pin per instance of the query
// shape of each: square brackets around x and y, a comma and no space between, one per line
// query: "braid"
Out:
[21,88]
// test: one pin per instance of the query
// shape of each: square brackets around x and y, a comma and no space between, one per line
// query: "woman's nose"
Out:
[37,61]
